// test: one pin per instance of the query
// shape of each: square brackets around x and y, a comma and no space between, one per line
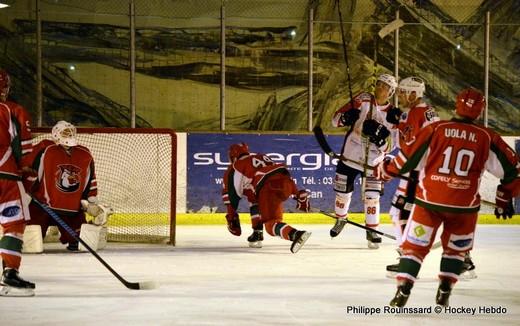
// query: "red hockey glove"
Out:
[381,172]
[504,203]
[302,201]
[233,224]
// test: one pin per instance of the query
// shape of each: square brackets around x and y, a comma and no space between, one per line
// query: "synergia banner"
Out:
[309,167]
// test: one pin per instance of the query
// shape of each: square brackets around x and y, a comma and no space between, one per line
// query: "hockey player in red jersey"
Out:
[365,142]
[415,114]
[66,182]
[231,199]
[15,146]
[269,184]
[451,157]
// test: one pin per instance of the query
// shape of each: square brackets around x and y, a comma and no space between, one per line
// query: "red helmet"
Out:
[5,84]
[237,150]
[470,103]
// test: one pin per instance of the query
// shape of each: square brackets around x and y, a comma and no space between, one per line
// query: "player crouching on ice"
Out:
[65,180]
[266,185]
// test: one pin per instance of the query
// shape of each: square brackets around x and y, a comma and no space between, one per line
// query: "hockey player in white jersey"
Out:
[368,135]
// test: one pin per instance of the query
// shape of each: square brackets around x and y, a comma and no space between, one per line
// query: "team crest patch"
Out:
[430,115]
[68,178]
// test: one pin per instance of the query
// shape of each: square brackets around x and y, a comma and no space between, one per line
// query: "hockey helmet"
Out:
[412,84]
[390,81]
[64,133]
[5,84]
[237,150]
[470,103]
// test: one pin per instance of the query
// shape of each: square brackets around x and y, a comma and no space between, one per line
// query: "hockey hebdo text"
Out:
[449,310]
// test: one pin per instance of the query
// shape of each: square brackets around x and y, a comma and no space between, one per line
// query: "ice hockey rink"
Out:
[213,278]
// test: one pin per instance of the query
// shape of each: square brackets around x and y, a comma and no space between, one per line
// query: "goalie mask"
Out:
[390,81]
[237,150]
[64,133]
[412,84]
[5,85]
[470,103]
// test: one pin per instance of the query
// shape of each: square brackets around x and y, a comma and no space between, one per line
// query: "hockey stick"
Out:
[130,285]
[392,26]
[357,224]
[345,54]
[324,145]
[322,141]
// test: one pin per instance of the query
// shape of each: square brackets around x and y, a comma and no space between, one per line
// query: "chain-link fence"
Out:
[182,79]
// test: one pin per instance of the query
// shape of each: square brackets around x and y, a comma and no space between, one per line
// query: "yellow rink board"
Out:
[291,218]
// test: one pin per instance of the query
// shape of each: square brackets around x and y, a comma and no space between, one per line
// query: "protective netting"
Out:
[135,170]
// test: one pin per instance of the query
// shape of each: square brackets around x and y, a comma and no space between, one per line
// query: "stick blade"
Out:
[148,285]
[392,26]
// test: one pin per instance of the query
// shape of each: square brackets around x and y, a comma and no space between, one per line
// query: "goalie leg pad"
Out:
[32,240]
[95,237]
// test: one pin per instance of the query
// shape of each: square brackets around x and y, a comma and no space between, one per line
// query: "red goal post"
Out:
[136,176]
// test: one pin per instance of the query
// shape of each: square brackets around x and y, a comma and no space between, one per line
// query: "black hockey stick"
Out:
[359,225]
[322,141]
[345,54]
[130,285]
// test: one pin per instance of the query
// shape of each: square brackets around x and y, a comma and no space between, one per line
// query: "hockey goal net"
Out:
[136,176]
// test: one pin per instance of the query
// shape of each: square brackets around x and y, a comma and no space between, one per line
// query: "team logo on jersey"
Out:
[431,115]
[68,178]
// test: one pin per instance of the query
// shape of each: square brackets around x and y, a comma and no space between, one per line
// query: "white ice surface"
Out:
[213,278]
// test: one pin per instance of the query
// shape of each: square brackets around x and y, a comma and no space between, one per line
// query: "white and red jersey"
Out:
[354,144]
[451,157]
[15,140]
[64,176]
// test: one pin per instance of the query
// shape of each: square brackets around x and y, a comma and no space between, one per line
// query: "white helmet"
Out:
[390,81]
[64,133]
[412,84]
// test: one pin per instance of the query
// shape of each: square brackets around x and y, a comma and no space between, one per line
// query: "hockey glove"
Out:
[302,201]
[348,118]
[393,115]
[99,212]
[376,132]
[233,224]
[504,203]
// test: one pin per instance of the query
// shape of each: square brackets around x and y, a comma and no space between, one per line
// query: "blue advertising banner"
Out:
[309,167]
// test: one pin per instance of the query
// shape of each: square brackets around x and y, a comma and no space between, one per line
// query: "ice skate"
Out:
[300,237]
[13,285]
[373,240]
[468,268]
[256,238]
[402,295]
[338,227]
[73,246]
[443,293]
[391,270]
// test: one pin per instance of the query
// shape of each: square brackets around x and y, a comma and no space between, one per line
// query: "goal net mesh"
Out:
[135,172]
